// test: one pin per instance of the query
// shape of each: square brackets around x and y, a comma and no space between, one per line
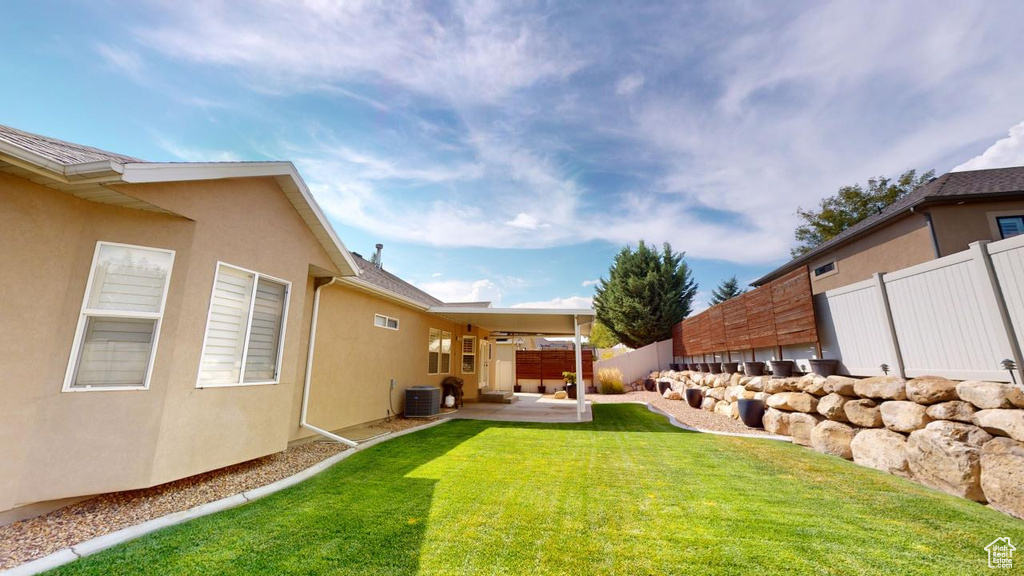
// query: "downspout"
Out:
[309,372]
[931,229]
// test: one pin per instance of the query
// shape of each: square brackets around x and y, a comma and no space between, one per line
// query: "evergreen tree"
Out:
[601,336]
[727,289]
[646,293]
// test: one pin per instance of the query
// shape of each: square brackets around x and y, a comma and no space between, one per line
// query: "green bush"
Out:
[610,380]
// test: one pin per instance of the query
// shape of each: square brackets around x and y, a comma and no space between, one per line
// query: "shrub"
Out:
[569,377]
[610,380]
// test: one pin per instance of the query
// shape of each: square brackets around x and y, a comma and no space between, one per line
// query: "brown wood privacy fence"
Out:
[549,364]
[776,314]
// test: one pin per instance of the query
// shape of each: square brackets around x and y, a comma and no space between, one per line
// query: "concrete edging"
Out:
[672,420]
[89,547]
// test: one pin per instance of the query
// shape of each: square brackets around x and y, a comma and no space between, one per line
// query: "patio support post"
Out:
[581,405]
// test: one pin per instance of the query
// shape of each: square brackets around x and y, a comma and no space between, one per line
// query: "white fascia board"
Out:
[581,312]
[360,284]
[150,172]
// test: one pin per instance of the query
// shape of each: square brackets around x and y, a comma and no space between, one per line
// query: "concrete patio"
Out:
[526,408]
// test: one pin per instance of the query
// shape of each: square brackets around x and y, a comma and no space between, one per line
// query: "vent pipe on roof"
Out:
[376,257]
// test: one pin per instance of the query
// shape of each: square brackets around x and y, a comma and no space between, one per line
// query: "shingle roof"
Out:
[383,279]
[59,151]
[969,185]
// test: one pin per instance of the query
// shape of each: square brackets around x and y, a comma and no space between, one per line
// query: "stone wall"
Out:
[964,438]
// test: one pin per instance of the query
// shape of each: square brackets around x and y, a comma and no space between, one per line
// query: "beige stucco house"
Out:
[156,322]
[937,219]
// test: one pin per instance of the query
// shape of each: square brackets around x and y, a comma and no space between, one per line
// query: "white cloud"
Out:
[591,282]
[576,302]
[122,59]
[524,221]
[464,291]
[1004,153]
[627,85]
[436,275]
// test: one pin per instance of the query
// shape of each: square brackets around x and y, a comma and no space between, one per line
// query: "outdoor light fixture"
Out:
[885,368]
[1010,366]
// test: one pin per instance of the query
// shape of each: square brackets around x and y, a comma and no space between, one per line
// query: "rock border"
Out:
[672,420]
[100,543]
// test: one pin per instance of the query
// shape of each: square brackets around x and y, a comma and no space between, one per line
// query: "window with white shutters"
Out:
[244,329]
[433,351]
[446,352]
[116,338]
[469,354]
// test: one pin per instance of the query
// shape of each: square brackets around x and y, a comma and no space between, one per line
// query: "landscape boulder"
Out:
[882,387]
[881,449]
[672,394]
[776,422]
[762,396]
[953,410]
[834,438]
[801,425]
[832,407]
[931,390]
[561,395]
[708,404]
[836,384]
[1002,423]
[734,393]
[793,401]
[904,416]
[716,393]
[947,456]
[990,395]
[863,413]
[756,384]
[813,384]
[722,407]
[1002,475]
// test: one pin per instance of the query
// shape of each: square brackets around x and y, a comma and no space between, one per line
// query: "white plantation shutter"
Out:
[264,336]
[121,314]
[245,327]
[225,330]
[434,351]
[446,352]
[469,354]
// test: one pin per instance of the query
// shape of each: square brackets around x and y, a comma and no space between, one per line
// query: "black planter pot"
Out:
[730,367]
[649,384]
[694,396]
[542,389]
[753,368]
[662,386]
[751,412]
[715,368]
[674,367]
[692,366]
[570,389]
[591,389]
[517,388]
[782,368]
[823,367]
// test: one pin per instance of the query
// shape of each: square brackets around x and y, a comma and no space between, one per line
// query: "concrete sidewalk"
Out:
[526,408]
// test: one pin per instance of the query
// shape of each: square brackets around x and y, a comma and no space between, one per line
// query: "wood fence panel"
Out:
[734,314]
[760,318]
[716,328]
[793,309]
[528,365]
[678,349]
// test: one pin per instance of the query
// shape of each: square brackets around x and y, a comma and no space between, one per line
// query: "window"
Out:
[245,329]
[446,352]
[381,321]
[824,269]
[469,354]
[1010,226]
[117,333]
[434,351]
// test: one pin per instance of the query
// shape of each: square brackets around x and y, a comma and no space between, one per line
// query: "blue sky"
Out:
[507,151]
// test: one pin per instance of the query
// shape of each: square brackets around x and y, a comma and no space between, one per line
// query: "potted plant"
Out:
[541,389]
[753,368]
[649,384]
[730,367]
[823,367]
[517,388]
[751,412]
[694,396]
[570,383]
[715,367]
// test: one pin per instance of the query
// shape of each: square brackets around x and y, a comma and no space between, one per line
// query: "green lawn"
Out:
[626,494]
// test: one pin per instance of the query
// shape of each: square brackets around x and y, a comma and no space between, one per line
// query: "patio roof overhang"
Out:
[533,321]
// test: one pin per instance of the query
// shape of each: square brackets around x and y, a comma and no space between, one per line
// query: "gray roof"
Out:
[972,185]
[59,151]
[383,279]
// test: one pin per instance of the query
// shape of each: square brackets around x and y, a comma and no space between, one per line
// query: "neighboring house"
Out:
[156,322]
[937,219]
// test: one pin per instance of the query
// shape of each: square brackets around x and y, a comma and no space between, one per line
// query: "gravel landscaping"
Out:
[700,419]
[36,537]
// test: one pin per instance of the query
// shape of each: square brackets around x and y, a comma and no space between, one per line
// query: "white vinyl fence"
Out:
[640,362]
[960,316]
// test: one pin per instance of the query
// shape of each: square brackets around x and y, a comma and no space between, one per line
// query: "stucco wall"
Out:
[901,244]
[354,360]
[956,226]
[57,445]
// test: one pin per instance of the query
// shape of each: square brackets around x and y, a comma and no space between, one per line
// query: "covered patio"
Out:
[573,323]
[528,408]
